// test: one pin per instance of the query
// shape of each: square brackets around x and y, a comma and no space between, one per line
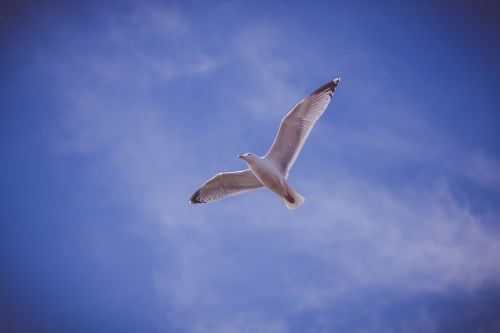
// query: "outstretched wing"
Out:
[226,184]
[297,125]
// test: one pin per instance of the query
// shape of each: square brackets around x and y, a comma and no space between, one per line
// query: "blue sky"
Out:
[111,115]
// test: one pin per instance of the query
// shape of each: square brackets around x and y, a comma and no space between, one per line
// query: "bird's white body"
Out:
[272,170]
[268,173]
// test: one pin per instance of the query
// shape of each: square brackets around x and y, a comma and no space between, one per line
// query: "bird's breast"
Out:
[268,174]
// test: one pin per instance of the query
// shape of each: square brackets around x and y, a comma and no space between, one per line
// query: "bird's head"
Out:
[248,157]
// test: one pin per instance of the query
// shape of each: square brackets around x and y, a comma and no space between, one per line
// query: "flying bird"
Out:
[272,169]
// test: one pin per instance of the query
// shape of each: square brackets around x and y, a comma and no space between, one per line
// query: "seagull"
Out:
[271,170]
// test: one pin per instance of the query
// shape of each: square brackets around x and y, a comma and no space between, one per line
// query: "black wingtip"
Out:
[195,198]
[333,84]
[329,87]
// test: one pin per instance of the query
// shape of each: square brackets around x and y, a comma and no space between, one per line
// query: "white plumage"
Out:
[272,169]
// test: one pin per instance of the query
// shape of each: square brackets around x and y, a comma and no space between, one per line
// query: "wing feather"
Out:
[296,126]
[226,184]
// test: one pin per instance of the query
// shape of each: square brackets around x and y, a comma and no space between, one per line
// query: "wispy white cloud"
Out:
[142,47]
[261,50]
[481,168]
[417,239]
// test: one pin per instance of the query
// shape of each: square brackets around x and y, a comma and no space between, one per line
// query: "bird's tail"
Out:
[293,199]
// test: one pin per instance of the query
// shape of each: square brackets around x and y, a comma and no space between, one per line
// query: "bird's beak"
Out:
[336,81]
[240,156]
